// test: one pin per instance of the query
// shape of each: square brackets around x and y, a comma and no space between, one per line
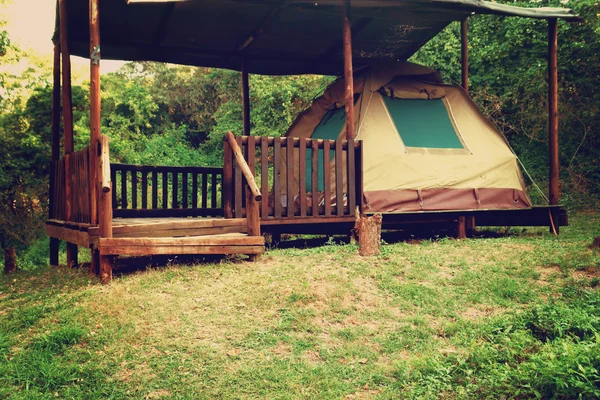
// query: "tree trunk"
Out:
[596,243]
[10,260]
[369,235]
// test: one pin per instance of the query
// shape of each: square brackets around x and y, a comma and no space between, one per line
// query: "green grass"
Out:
[511,317]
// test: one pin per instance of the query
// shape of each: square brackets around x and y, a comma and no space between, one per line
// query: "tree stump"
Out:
[10,260]
[369,235]
[596,243]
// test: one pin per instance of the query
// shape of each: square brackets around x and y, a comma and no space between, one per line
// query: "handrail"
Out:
[241,161]
[105,164]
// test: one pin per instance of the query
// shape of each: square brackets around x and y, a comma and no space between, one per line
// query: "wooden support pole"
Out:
[94,120]
[245,99]
[105,215]
[67,117]
[553,113]
[54,242]
[464,52]
[348,72]
[227,180]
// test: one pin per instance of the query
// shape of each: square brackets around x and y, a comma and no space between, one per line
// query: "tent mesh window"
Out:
[329,128]
[423,123]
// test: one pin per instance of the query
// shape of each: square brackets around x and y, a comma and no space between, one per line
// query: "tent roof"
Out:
[274,36]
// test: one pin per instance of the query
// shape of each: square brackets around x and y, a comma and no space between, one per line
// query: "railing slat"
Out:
[264,177]
[277,178]
[175,190]
[204,190]
[351,176]
[194,190]
[144,189]
[124,189]
[165,189]
[213,191]
[302,176]
[339,177]
[315,179]
[184,189]
[327,176]
[154,190]
[290,177]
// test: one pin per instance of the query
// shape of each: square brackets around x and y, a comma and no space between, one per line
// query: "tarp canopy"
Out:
[280,37]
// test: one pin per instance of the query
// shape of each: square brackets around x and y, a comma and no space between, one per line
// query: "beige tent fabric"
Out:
[486,162]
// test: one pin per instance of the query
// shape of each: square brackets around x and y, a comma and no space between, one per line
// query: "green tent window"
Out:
[423,123]
[329,128]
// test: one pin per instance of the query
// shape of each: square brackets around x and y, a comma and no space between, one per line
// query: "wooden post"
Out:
[245,99]
[95,105]
[464,47]
[227,180]
[105,207]
[67,117]
[10,260]
[471,226]
[553,114]
[54,242]
[348,72]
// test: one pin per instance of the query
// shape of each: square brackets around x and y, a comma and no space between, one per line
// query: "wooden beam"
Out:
[245,99]
[348,72]
[161,28]
[54,242]
[94,106]
[464,52]
[271,15]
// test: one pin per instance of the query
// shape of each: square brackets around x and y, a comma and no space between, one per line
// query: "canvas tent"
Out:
[426,145]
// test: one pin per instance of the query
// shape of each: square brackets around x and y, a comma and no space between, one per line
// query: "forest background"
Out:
[161,114]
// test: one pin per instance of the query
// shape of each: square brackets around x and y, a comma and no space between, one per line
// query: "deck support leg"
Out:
[471,226]
[106,269]
[461,228]
[95,256]
[72,255]
[54,245]
[554,193]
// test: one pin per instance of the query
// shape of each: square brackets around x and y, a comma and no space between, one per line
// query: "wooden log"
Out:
[245,100]
[369,235]
[252,214]
[554,170]
[348,70]
[464,52]
[249,175]
[10,260]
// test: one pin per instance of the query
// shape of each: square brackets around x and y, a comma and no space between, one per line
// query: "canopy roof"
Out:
[280,37]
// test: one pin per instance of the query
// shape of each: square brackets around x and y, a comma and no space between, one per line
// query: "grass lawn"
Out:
[510,317]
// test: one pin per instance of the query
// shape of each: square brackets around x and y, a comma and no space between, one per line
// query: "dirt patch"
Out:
[282,349]
[587,273]
[159,394]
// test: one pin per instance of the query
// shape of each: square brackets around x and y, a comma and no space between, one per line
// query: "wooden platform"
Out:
[147,236]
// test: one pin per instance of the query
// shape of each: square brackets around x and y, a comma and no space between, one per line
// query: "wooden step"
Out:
[232,243]
[176,227]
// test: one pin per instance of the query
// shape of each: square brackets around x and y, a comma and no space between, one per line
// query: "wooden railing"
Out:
[298,177]
[253,194]
[72,197]
[159,191]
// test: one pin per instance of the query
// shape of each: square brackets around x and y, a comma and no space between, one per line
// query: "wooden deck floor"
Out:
[176,227]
